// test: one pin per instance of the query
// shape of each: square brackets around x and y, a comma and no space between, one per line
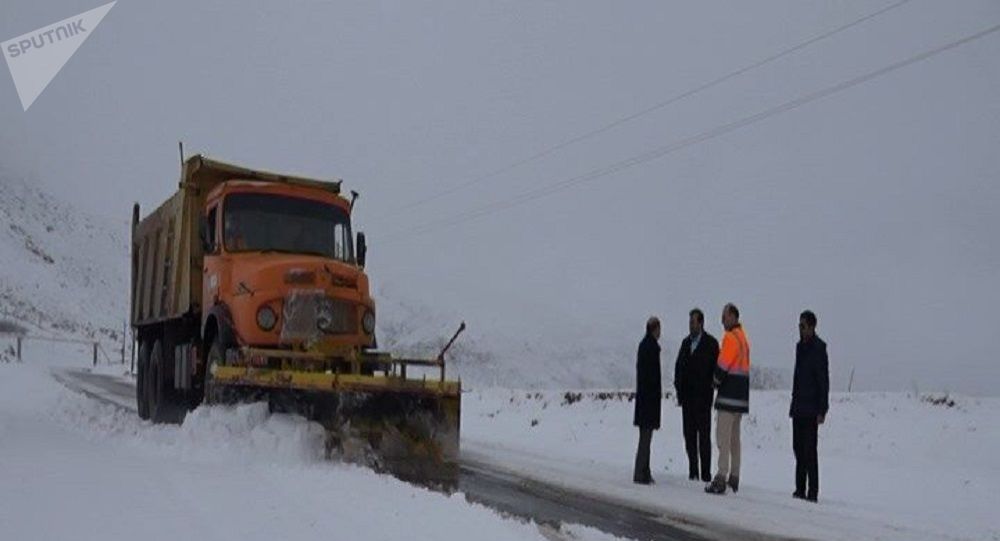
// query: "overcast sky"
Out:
[877,207]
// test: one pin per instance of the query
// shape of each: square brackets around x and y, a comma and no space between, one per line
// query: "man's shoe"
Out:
[706,477]
[648,480]
[692,477]
[734,483]
[717,486]
[812,498]
[798,495]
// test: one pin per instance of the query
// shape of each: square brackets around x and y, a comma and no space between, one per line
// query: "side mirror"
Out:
[203,234]
[362,247]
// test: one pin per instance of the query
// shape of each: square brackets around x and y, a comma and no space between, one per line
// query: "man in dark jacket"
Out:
[810,402]
[648,392]
[693,382]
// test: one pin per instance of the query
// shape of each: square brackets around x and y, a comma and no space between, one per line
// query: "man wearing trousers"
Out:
[648,394]
[810,402]
[693,372]
[732,379]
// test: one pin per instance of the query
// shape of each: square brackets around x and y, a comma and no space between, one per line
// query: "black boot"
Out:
[643,479]
[717,486]
[734,483]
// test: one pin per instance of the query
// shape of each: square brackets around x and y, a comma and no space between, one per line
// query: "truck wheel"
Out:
[142,371]
[214,394]
[226,394]
[163,406]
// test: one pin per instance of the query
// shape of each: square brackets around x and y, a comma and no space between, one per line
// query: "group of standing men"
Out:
[706,374]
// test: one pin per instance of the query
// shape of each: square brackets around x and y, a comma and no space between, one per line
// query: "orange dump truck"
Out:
[249,285]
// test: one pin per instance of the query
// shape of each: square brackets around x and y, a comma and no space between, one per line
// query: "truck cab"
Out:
[281,271]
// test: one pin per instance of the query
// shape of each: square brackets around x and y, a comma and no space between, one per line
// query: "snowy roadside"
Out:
[73,467]
[892,466]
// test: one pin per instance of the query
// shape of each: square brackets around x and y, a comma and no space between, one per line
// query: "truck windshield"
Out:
[265,222]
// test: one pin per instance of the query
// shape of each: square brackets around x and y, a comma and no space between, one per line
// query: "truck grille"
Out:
[309,314]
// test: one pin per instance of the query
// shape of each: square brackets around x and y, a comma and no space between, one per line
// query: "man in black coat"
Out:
[693,371]
[648,393]
[810,402]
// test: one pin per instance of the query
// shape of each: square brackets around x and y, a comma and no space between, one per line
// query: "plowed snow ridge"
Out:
[229,473]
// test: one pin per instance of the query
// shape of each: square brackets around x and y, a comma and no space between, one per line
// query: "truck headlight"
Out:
[266,318]
[368,322]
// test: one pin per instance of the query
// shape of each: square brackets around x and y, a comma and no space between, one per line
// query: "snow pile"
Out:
[228,473]
[247,433]
[892,465]
[251,433]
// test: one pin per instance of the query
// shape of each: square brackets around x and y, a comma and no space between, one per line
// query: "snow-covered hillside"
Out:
[64,272]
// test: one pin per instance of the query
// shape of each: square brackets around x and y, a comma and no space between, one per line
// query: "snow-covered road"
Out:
[72,467]
[483,483]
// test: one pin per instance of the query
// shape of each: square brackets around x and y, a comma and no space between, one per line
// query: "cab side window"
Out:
[213,241]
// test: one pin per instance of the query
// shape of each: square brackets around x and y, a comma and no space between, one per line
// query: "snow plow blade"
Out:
[406,427]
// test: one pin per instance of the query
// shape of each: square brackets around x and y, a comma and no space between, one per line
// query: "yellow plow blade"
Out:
[407,427]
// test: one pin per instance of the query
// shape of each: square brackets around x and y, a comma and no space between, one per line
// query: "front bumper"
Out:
[346,370]
[325,381]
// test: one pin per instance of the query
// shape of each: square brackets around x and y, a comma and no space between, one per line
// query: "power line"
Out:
[660,152]
[625,119]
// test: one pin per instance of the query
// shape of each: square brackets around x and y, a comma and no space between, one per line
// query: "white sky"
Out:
[875,207]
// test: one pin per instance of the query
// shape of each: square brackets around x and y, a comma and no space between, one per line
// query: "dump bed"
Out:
[166,250]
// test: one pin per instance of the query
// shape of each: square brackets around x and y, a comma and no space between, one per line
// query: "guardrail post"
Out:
[19,348]
[95,353]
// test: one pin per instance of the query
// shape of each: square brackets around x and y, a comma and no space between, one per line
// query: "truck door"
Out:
[212,266]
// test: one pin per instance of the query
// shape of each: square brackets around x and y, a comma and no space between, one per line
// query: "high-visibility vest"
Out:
[734,356]
[732,373]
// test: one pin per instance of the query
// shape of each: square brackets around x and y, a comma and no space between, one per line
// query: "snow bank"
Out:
[72,466]
[247,433]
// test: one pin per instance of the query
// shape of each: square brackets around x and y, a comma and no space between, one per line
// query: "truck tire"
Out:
[142,371]
[215,394]
[164,407]
[227,395]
